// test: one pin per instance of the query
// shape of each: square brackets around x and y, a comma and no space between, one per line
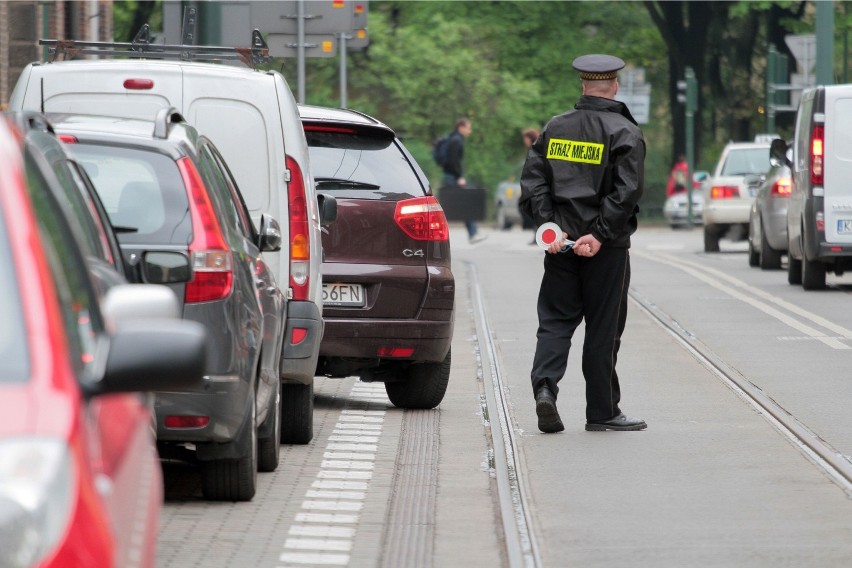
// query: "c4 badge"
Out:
[574,151]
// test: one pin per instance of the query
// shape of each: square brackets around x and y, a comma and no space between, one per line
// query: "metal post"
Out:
[771,60]
[343,94]
[691,106]
[300,49]
[825,43]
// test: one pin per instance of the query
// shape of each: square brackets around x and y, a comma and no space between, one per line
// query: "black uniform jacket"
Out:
[585,172]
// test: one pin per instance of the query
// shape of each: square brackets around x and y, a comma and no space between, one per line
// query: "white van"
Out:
[251,116]
[819,213]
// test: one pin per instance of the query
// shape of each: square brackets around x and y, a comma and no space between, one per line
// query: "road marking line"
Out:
[326,518]
[345,475]
[364,427]
[348,456]
[319,544]
[354,447]
[356,439]
[315,558]
[314,494]
[698,272]
[347,464]
[334,532]
[329,484]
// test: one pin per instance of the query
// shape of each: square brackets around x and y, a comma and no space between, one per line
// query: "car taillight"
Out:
[422,218]
[817,153]
[213,274]
[782,187]
[67,138]
[300,242]
[724,192]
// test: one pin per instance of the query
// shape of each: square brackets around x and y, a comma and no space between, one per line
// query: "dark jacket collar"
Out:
[587,102]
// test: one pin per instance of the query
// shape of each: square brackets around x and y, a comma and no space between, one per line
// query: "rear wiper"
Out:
[345,183]
[122,229]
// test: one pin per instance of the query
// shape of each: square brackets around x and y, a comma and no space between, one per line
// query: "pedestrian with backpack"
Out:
[449,153]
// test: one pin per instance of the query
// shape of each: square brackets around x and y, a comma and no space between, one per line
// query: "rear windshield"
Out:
[360,164]
[142,192]
[744,161]
[14,355]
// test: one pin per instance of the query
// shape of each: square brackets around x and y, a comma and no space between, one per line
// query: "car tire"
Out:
[269,448]
[770,259]
[813,274]
[233,479]
[422,385]
[711,239]
[297,413]
[794,270]
[753,255]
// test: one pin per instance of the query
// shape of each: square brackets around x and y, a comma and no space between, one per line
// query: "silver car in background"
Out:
[676,207]
[767,229]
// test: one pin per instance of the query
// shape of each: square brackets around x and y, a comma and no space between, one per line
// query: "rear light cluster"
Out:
[213,274]
[817,153]
[782,187]
[724,192]
[422,218]
[300,243]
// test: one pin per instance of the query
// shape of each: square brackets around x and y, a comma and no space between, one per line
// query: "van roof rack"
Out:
[142,48]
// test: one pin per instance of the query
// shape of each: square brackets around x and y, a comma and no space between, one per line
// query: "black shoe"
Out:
[545,408]
[620,422]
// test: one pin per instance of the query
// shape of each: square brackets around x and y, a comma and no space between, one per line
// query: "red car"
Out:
[80,482]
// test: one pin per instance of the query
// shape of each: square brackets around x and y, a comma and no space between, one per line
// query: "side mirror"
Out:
[133,301]
[778,153]
[270,234]
[327,209]
[165,267]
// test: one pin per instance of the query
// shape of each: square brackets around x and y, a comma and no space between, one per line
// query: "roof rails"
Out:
[142,48]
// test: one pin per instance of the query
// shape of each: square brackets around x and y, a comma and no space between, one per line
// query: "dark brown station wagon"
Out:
[388,288]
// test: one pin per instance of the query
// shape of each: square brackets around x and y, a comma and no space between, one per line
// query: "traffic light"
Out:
[687,91]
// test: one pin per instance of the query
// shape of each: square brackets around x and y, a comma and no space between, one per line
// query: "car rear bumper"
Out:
[223,401]
[362,339]
[299,355]
[722,212]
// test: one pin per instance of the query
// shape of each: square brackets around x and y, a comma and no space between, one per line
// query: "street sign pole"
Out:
[825,43]
[300,49]
[343,94]
[691,107]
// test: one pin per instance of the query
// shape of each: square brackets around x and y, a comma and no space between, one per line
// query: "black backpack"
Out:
[439,150]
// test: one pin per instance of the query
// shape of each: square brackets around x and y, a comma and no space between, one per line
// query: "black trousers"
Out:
[575,288]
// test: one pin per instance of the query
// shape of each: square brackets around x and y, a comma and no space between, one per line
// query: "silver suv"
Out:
[729,193]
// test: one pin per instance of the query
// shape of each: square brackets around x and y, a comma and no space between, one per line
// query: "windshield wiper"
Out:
[348,183]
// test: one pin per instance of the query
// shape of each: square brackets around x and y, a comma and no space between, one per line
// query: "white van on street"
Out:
[819,213]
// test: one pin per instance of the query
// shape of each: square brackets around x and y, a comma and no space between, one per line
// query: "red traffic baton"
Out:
[548,233]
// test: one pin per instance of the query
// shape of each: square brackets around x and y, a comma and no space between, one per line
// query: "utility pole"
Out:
[825,43]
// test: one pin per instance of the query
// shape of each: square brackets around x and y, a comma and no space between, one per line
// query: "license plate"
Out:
[844,226]
[346,295]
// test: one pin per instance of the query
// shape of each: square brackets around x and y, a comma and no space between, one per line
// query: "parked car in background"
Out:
[79,480]
[728,196]
[819,213]
[251,116]
[387,280]
[676,206]
[167,190]
[767,229]
[506,204]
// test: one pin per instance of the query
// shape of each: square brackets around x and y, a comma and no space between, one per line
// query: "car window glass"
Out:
[218,187]
[744,161]
[142,191]
[102,234]
[247,227]
[360,164]
[14,353]
[77,298]
[803,135]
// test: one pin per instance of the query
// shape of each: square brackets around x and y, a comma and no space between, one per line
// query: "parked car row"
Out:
[206,176]
[79,479]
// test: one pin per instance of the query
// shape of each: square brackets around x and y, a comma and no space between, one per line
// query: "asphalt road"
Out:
[713,481]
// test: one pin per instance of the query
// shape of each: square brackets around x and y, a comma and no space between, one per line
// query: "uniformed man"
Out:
[585,173]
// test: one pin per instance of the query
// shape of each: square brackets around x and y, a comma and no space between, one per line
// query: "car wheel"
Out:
[794,270]
[297,413]
[711,239]
[770,259]
[753,255]
[229,479]
[813,274]
[269,447]
[420,386]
